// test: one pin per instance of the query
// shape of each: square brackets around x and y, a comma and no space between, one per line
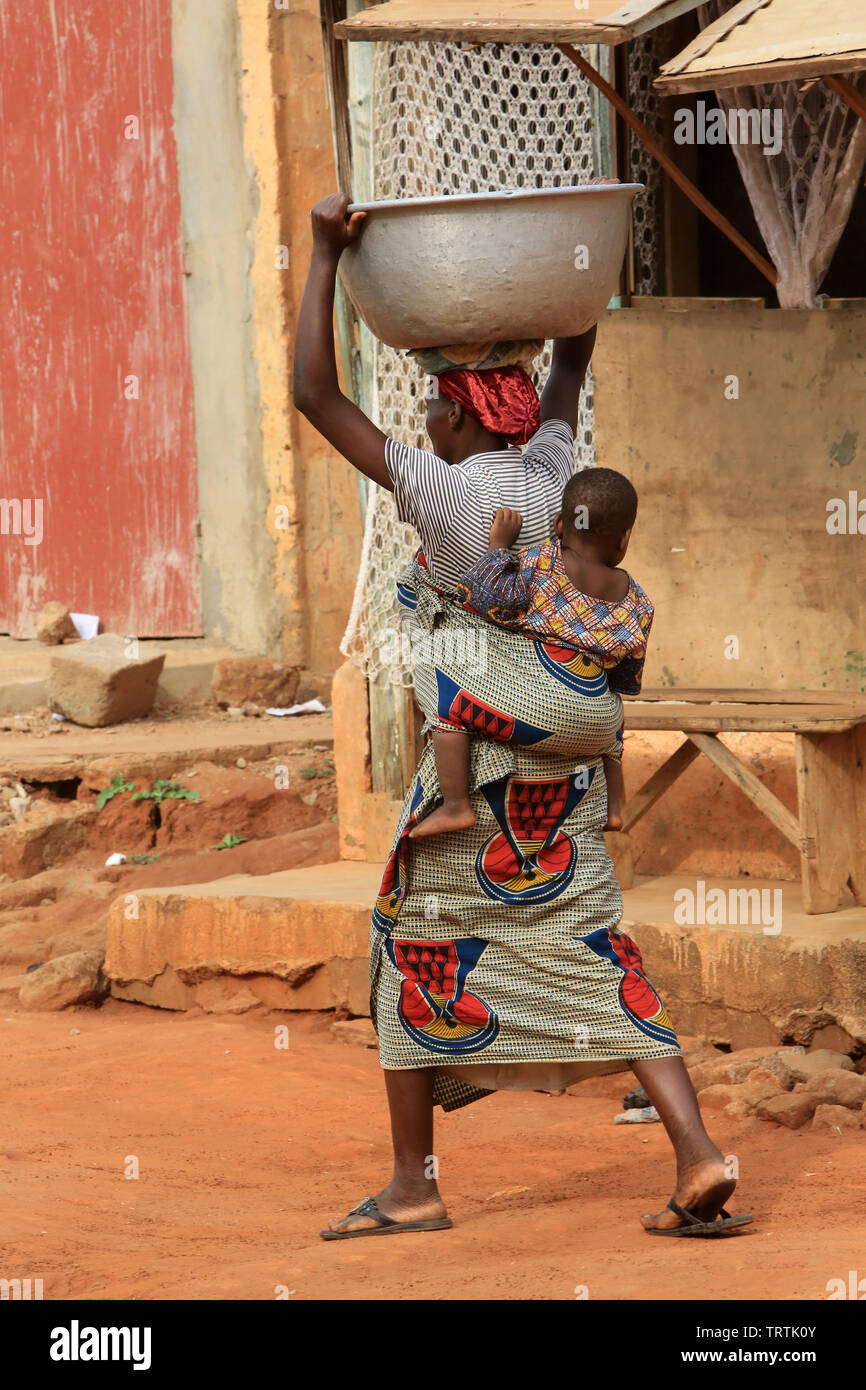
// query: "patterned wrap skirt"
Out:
[494,952]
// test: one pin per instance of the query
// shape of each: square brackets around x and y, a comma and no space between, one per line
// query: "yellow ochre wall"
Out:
[279,516]
[731,539]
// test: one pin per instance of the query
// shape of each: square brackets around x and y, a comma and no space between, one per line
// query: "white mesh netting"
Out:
[801,195]
[451,120]
[645,53]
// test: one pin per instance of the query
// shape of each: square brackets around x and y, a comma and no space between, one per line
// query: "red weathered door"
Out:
[96,409]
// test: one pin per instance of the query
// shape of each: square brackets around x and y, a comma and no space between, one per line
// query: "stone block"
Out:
[254,680]
[242,941]
[835,1118]
[54,624]
[73,979]
[734,1067]
[837,1087]
[101,682]
[49,833]
[791,1109]
[820,1060]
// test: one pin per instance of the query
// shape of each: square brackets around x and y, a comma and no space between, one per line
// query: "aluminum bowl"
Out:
[426,272]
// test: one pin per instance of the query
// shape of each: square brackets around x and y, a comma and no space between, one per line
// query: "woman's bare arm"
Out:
[317,393]
[560,397]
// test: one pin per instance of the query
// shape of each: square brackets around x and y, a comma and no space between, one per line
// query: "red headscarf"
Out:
[502,398]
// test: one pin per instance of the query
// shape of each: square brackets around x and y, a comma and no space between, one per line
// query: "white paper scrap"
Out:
[308,707]
[85,624]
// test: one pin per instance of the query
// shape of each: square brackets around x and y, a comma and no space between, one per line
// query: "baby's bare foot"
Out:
[451,815]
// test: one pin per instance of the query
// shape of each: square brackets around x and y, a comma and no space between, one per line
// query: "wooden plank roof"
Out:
[511,21]
[771,41]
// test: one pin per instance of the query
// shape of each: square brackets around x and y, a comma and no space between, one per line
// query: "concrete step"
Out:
[186,675]
[146,748]
[292,940]
[299,940]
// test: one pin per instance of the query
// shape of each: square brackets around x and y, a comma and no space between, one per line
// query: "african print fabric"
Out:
[531,591]
[494,951]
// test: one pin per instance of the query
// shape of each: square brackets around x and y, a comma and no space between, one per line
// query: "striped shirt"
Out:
[452,506]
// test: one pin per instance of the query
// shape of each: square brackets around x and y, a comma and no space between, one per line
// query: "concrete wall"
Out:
[326,493]
[279,516]
[731,539]
[220,203]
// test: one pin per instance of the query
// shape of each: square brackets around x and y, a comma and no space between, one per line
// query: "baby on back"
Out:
[570,591]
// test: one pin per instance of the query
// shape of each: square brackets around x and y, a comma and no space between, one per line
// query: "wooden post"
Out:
[657,151]
[831,784]
[657,785]
[849,94]
[765,800]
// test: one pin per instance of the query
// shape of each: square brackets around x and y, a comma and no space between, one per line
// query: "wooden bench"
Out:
[830,745]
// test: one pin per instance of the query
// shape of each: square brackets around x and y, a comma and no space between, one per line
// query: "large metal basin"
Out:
[431,271]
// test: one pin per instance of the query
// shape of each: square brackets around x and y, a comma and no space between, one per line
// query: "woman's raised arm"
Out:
[560,397]
[316,392]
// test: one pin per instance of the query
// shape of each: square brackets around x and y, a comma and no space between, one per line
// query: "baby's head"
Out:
[599,507]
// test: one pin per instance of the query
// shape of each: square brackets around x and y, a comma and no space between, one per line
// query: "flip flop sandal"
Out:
[693,1226]
[386,1225]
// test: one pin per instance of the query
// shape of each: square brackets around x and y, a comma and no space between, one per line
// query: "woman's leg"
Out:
[412,1194]
[703,1182]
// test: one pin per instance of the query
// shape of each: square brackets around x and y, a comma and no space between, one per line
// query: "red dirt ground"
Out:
[64,907]
[244,1150]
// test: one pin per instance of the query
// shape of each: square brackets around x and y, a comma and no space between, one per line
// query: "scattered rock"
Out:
[734,1067]
[789,1109]
[54,623]
[741,1100]
[73,979]
[98,682]
[837,1087]
[832,1037]
[822,1059]
[636,1099]
[359,1032]
[717,1096]
[835,1118]
[761,1085]
[255,681]
[50,832]
[764,1079]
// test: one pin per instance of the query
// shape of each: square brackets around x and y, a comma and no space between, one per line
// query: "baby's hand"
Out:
[505,529]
